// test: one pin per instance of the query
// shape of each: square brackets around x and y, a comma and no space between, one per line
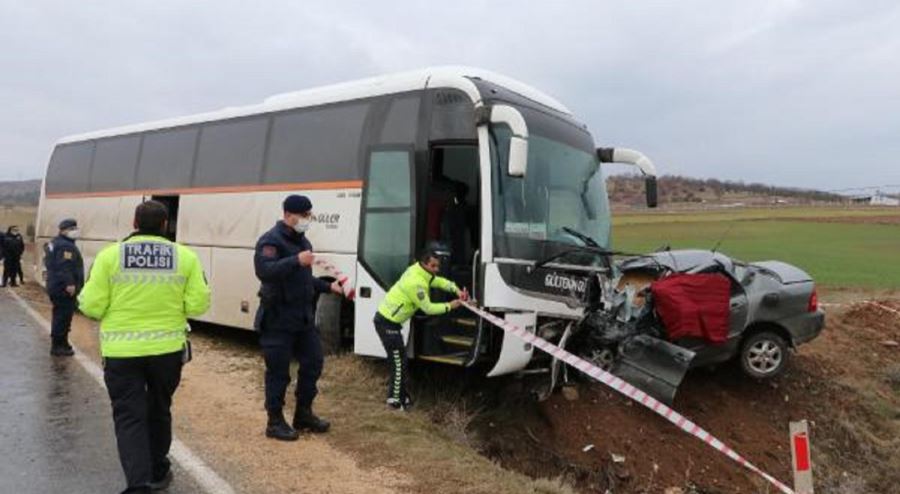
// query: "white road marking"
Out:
[205,476]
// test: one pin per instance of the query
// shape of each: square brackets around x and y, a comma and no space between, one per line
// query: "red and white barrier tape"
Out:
[629,391]
[597,373]
[342,279]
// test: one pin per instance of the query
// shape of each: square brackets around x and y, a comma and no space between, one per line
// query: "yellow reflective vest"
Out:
[142,290]
[411,293]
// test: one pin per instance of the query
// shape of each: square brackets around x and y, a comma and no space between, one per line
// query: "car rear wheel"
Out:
[764,355]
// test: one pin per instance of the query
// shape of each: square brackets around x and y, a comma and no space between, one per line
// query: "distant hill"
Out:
[624,191]
[628,191]
[23,193]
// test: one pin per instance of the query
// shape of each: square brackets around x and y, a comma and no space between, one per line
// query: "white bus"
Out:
[490,167]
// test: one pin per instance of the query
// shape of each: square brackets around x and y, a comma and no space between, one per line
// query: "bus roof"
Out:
[451,76]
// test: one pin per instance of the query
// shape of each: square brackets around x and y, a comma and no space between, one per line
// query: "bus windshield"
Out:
[563,187]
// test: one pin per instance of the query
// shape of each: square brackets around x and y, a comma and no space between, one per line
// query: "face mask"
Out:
[302,225]
[73,234]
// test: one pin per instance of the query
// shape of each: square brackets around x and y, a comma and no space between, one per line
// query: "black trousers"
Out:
[63,310]
[279,348]
[141,390]
[12,267]
[392,338]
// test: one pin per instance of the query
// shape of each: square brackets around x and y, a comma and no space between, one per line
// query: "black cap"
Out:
[67,223]
[297,204]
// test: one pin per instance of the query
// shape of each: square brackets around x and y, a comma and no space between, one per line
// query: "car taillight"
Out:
[813,302]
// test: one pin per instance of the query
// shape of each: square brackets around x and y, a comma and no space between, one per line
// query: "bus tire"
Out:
[328,320]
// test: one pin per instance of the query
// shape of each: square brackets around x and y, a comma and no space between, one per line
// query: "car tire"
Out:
[764,355]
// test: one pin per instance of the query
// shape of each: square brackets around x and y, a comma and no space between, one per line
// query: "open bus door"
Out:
[451,223]
[386,237]
[388,246]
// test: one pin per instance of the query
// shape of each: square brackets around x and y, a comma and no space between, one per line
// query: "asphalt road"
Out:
[56,428]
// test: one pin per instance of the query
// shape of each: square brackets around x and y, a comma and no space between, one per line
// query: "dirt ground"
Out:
[218,412]
[847,383]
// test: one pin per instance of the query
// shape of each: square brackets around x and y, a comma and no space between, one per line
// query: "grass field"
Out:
[839,247]
[751,213]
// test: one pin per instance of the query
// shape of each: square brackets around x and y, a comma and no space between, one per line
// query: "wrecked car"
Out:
[669,311]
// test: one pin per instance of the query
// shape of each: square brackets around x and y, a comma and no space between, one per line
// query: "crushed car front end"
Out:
[665,312]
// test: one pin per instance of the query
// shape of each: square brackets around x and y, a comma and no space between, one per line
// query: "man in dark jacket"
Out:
[65,278]
[286,318]
[2,238]
[13,247]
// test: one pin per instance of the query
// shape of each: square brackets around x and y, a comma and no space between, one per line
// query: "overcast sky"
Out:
[795,93]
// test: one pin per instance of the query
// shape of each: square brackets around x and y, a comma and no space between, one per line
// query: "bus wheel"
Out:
[328,320]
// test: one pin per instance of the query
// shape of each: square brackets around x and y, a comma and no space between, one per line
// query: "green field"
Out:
[857,248]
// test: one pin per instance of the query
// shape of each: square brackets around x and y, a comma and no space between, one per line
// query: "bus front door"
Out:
[452,211]
[386,238]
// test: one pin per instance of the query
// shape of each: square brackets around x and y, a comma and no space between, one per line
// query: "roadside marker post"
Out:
[800,461]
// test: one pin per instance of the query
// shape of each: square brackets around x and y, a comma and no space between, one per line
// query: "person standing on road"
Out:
[2,255]
[65,278]
[286,319]
[142,290]
[409,294]
[13,247]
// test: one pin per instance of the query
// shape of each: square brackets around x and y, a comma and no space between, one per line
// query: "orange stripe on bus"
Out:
[347,184]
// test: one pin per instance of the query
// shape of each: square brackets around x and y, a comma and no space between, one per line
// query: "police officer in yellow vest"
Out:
[409,294]
[142,290]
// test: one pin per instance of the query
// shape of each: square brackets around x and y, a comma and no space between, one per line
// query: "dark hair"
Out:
[150,216]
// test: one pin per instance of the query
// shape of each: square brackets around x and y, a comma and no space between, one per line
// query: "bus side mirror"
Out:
[637,159]
[518,142]
[650,186]
[518,156]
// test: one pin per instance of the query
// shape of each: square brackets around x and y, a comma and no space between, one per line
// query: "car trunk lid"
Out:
[786,273]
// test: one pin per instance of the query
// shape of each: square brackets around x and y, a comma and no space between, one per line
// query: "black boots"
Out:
[162,483]
[60,347]
[278,428]
[305,419]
